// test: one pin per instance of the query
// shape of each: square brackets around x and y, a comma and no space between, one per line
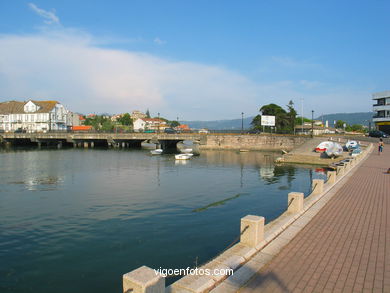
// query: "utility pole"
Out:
[242,122]
[302,113]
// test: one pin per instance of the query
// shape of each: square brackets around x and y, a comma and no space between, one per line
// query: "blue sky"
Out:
[195,59]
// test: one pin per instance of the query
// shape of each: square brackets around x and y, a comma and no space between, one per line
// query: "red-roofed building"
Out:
[183,128]
[149,124]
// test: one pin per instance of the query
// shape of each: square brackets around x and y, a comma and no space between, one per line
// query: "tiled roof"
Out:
[16,107]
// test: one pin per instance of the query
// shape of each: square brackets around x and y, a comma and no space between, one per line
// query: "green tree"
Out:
[174,123]
[355,127]
[125,119]
[291,115]
[298,120]
[281,118]
[256,122]
[147,113]
[107,125]
[284,120]
[340,124]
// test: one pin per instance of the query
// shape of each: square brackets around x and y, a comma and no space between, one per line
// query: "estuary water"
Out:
[76,220]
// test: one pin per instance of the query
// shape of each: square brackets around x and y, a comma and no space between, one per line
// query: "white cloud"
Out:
[68,65]
[158,41]
[49,16]
[293,63]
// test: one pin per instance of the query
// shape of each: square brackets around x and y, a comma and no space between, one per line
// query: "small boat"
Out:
[244,150]
[334,150]
[351,144]
[183,156]
[323,146]
[355,152]
[156,152]
[186,151]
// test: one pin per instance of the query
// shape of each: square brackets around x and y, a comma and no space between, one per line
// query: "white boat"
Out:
[334,150]
[186,151]
[323,146]
[356,151]
[156,152]
[351,144]
[183,156]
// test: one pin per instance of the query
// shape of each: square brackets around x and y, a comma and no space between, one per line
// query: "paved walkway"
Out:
[346,247]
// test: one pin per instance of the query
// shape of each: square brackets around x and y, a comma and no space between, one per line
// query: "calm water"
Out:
[75,220]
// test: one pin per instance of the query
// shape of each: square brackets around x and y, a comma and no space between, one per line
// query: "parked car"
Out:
[149,131]
[2,131]
[20,130]
[170,130]
[377,133]
[204,130]
[254,131]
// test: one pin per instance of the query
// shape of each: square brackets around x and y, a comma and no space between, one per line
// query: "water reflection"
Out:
[106,212]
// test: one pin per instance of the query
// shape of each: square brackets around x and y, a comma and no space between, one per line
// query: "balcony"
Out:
[381,118]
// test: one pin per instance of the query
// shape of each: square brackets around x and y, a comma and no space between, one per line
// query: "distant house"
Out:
[317,130]
[137,115]
[183,128]
[142,124]
[115,118]
[76,119]
[33,116]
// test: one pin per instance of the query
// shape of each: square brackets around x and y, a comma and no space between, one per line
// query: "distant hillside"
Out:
[235,124]
[350,118]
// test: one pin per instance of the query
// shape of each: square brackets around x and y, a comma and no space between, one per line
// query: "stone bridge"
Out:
[205,141]
[91,139]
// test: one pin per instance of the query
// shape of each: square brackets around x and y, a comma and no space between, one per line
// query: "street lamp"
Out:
[242,122]
[312,123]
[302,113]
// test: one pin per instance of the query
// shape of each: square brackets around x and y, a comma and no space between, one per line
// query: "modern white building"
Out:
[34,116]
[155,124]
[382,111]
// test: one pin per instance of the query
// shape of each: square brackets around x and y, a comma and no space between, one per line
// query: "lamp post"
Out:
[312,123]
[242,122]
[302,113]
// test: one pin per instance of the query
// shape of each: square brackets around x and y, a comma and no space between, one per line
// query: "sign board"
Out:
[267,120]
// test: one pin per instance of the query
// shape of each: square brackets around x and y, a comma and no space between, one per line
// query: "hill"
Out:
[350,118]
[235,124]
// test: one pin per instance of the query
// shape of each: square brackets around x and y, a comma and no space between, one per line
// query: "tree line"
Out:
[286,120]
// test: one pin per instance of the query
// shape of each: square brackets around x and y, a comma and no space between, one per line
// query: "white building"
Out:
[33,116]
[155,124]
[382,111]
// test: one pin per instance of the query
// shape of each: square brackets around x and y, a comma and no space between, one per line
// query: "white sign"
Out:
[267,120]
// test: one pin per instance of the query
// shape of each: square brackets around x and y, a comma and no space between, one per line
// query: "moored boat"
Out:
[156,152]
[351,144]
[334,150]
[355,152]
[323,146]
[183,156]
[186,151]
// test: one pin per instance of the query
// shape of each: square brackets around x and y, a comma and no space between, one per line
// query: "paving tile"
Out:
[345,247]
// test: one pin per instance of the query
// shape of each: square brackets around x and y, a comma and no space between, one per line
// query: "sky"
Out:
[196,60]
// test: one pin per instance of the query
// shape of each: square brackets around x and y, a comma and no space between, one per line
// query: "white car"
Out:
[203,131]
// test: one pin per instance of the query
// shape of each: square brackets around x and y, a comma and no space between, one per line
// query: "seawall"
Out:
[252,142]
[258,243]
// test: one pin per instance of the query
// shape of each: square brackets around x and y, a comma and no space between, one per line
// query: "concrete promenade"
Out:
[346,247]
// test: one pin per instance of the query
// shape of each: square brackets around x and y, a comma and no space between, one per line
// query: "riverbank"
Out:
[259,243]
[305,153]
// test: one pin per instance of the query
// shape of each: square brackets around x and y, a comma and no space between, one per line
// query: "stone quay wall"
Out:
[252,142]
